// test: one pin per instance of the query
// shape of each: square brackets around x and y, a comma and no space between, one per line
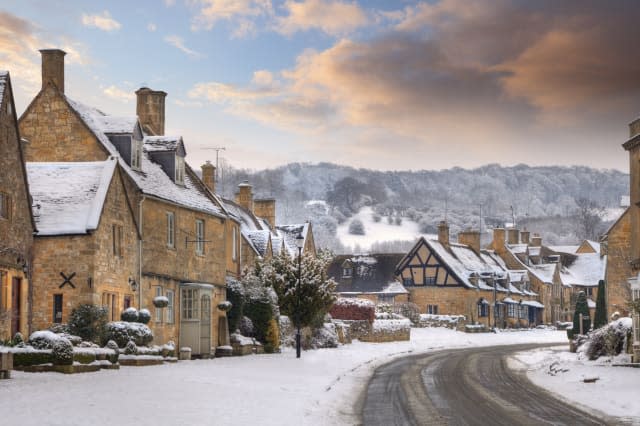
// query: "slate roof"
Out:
[4,77]
[69,197]
[152,180]
[162,143]
[289,233]
[374,273]
[586,270]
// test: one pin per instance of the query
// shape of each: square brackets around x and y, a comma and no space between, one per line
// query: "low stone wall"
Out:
[380,331]
[455,322]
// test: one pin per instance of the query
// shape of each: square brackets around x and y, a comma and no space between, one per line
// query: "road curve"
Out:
[464,387]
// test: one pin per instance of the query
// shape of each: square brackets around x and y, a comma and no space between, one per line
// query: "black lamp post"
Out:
[299,245]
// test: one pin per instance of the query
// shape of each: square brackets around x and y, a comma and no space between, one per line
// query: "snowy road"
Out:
[464,387]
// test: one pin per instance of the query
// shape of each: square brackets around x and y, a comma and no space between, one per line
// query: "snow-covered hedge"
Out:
[129,315]
[122,332]
[62,352]
[43,339]
[610,340]
[353,309]
[325,337]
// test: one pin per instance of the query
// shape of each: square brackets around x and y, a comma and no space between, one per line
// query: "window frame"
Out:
[171,229]
[179,170]
[158,311]
[5,205]
[136,154]
[432,309]
[190,298]
[200,237]
[57,319]
[170,309]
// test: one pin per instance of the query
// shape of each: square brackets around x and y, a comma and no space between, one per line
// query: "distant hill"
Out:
[425,197]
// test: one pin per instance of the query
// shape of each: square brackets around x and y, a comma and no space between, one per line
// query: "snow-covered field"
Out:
[616,392]
[376,231]
[321,388]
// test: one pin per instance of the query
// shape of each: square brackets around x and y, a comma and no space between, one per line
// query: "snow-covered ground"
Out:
[615,393]
[377,231]
[321,388]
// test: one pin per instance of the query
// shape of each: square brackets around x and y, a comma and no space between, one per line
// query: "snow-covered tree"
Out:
[356,227]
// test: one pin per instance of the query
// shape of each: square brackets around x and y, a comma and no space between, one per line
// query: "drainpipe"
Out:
[140,240]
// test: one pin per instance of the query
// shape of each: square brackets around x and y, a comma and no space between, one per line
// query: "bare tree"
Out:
[589,218]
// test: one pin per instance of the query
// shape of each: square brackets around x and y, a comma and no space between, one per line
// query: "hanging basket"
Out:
[225,306]
[160,302]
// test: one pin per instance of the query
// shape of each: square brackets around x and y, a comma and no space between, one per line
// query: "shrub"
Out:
[88,321]
[59,328]
[144,316]
[377,218]
[160,301]
[84,357]
[43,339]
[609,340]
[353,309]
[235,295]
[261,313]
[582,307]
[129,315]
[356,227]
[600,317]
[325,337]
[17,339]
[246,327]
[122,332]
[398,220]
[62,352]
[111,345]
[26,359]
[113,358]
[130,348]
[272,338]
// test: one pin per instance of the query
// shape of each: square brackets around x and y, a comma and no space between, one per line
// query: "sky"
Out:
[375,84]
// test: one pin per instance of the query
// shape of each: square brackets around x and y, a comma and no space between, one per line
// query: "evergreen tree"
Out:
[582,307]
[600,317]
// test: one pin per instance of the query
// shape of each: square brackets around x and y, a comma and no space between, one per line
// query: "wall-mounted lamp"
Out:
[133,284]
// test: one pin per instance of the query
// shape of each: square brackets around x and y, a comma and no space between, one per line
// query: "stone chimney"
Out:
[536,240]
[266,209]
[443,233]
[524,237]
[470,238]
[150,110]
[53,68]
[498,240]
[209,176]
[513,236]
[244,196]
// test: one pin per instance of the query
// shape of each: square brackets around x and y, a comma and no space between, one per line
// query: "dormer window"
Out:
[347,272]
[136,154]
[179,178]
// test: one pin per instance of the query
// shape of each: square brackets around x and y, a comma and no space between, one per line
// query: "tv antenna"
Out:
[217,149]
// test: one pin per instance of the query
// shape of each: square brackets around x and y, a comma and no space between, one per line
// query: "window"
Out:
[523,312]
[483,309]
[407,281]
[5,206]
[110,301]
[171,230]
[126,303]
[169,309]
[158,317]
[347,272]
[511,310]
[9,110]
[497,310]
[200,236]
[432,309]
[117,240]
[136,154]
[57,308]
[235,243]
[385,298]
[430,280]
[189,303]
[179,178]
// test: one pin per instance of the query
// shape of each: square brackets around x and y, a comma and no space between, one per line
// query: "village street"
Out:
[465,387]
[321,388]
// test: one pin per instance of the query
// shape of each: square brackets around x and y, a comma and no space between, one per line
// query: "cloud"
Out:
[209,12]
[151,27]
[178,43]
[488,78]
[169,3]
[333,17]
[102,21]
[118,94]
[20,41]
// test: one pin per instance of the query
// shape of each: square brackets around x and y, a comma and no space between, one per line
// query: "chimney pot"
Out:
[498,243]
[244,197]
[513,236]
[470,238]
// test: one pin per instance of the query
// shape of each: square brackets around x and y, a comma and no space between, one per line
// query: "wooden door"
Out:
[16,308]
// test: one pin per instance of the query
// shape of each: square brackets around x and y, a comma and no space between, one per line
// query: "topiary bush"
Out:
[129,315]
[144,316]
[122,332]
[43,339]
[600,316]
[26,359]
[272,338]
[62,352]
[88,321]
[84,357]
[131,348]
[17,339]
[353,309]
[113,358]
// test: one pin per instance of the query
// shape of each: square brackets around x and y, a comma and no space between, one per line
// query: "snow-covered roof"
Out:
[625,201]
[544,272]
[586,270]
[69,197]
[259,239]
[534,251]
[533,303]
[152,180]
[289,234]
[395,287]
[518,248]
[564,249]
